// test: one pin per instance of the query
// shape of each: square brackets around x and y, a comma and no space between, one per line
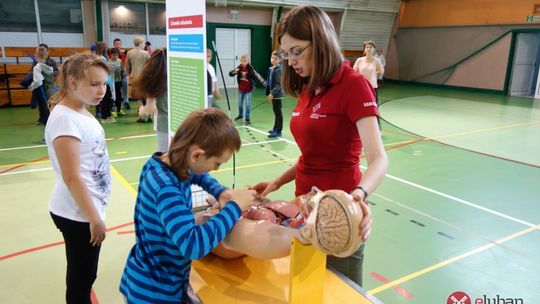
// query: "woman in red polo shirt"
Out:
[335,117]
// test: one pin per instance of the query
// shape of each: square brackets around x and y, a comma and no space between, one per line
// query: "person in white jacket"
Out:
[43,85]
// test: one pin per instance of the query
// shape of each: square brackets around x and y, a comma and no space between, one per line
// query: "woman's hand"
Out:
[367,220]
[263,188]
[98,232]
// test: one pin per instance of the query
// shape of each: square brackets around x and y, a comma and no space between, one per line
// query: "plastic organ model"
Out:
[329,220]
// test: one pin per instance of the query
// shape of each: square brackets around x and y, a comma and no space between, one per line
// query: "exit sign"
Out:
[533,18]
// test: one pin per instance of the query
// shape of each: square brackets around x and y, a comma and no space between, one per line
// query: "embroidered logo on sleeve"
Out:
[370,104]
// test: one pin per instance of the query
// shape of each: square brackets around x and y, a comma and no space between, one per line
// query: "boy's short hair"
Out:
[246,56]
[210,129]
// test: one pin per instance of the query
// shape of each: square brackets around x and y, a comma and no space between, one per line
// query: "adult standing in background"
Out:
[148,47]
[371,68]
[151,84]
[122,53]
[336,106]
[379,55]
[135,60]
[50,61]
[212,80]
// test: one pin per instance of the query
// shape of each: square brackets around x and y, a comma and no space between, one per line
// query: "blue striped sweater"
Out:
[167,239]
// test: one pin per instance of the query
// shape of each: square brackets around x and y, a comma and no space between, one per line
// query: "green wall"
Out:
[261,43]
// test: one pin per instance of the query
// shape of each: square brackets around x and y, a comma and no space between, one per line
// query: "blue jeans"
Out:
[125,89]
[247,96]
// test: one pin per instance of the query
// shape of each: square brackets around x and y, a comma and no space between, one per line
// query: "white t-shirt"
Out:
[95,167]
[368,69]
[212,72]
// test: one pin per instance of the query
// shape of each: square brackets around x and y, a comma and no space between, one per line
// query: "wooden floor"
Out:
[458,209]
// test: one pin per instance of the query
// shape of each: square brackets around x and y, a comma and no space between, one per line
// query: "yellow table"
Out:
[248,280]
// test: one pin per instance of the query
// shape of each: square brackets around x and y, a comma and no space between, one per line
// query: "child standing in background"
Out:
[167,238]
[245,76]
[105,107]
[275,94]
[76,145]
[118,73]
[42,86]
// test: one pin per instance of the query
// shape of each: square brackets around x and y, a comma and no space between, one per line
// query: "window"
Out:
[127,18]
[157,19]
[18,16]
[60,16]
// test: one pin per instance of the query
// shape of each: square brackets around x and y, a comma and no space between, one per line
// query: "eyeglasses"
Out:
[294,54]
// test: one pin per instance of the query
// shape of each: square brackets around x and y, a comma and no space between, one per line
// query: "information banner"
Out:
[186,50]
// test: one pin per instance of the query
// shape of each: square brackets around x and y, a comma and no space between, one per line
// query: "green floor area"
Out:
[458,209]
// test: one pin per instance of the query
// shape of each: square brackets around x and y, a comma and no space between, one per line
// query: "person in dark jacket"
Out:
[275,93]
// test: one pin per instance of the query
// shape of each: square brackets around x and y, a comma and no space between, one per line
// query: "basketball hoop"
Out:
[221,3]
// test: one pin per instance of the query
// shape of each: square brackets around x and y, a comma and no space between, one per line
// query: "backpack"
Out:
[49,85]
[27,80]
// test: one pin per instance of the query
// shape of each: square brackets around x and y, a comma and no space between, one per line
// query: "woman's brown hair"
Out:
[211,130]
[101,49]
[310,23]
[152,81]
[76,66]
[369,42]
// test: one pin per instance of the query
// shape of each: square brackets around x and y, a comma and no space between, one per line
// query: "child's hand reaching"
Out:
[244,198]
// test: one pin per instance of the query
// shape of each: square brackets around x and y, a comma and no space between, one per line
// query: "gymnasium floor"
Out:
[458,209]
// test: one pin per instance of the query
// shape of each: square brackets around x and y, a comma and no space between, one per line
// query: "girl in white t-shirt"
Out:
[371,68]
[76,145]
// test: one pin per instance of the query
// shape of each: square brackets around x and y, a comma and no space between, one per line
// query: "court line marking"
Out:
[107,139]
[123,181]
[483,130]
[450,260]
[266,133]
[448,196]
[459,200]
[459,108]
[29,250]
[441,221]
[245,166]
[464,202]
[112,160]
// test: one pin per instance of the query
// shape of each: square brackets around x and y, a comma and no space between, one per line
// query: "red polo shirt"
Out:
[324,127]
